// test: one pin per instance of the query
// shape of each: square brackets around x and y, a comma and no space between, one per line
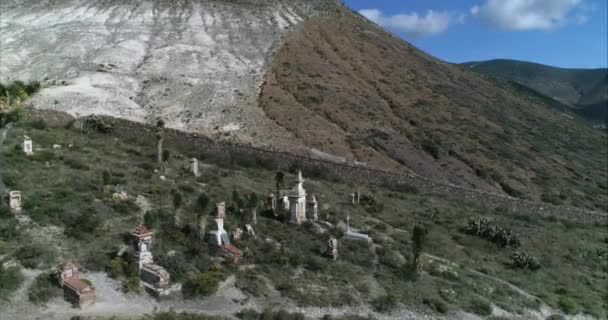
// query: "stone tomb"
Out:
[143,242]
[156,280]
[353,234]
[14,201]
[75,291]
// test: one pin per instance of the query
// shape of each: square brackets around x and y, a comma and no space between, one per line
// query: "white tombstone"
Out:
[297,201]
[333,248]
[250,231]
[286,203]
[14,201]
[194,167]
[28,146]
[219,236]
[312,213]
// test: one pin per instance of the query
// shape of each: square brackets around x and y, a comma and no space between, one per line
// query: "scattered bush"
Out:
[250,282]
[175,264]
[524,261]
[34,256]
[567,306]
[436,304]
[431,148]
[10,280]
[385,303]
[269,314]
[75,164]
[203,201]
[178,199]
[43,288]
[202,284]
[103,124]
[488,230]
[172,315]
[482,308]
[510,190]
[83,225]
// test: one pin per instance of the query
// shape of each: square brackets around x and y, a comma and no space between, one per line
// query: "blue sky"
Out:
[563,33]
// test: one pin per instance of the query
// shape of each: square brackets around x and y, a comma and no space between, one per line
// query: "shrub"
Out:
[431,148]
[385,303]
[488,230]
[510,190]
[202,284]
[202,201]
[10,280]
[43,288]
[178,199]
[103,124]
[436,304]
[482,308]
[33,256]
[551,198]
[524,261]
[83,225]
[38,124]
[249,281]
[175,264]
[117,268]
[75,164]
[172,315]
[567,305]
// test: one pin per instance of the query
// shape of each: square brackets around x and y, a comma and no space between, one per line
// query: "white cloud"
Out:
[528,14]
[414,25]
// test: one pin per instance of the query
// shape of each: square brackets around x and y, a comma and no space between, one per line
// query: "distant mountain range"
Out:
[584,91]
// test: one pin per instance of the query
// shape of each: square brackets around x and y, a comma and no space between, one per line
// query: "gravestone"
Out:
[220,210]
[194,167]
[14,201]
[28,146]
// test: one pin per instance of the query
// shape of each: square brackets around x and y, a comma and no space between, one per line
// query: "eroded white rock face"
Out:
[196,64]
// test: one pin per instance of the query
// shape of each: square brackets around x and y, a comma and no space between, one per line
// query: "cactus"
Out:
[487,229]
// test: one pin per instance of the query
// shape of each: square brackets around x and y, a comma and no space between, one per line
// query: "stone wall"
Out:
[203,147]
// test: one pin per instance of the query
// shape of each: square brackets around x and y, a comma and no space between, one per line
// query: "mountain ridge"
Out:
[585,91]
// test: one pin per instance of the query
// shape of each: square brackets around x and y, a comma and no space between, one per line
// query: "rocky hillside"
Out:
[584,90]
[304,76]
[345,86]
[196,64]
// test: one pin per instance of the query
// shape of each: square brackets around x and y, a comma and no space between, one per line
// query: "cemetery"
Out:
[180,229]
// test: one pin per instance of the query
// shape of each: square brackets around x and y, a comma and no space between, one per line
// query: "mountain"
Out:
[583,90]
[309,77]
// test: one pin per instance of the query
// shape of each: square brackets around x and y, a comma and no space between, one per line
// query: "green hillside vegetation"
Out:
[68,188]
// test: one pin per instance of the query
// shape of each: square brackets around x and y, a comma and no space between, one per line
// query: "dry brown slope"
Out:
[342,85]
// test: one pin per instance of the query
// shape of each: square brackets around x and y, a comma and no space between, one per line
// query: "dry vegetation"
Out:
[345,86]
